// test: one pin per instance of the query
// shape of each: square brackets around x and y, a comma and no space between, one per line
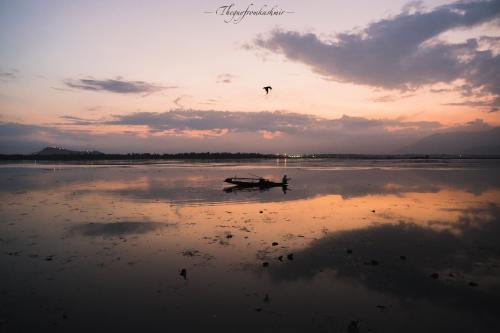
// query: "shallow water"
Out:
[380,246]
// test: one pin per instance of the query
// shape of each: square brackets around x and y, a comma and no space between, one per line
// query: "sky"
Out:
[175,76]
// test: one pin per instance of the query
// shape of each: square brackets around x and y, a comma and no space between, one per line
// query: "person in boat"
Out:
[284,180]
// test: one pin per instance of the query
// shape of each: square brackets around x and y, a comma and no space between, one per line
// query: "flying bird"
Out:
[267,88]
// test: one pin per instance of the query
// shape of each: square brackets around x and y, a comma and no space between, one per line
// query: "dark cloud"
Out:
[117,85]
[403,52]
[73,120]
[277,121]
[476,104]
[287,131]
[209,120]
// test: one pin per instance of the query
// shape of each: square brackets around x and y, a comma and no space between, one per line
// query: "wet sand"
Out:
[352,246]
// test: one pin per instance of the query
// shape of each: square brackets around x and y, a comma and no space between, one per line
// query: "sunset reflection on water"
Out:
[93,244]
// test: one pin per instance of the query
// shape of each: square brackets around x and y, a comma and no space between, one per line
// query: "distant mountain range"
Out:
[58,151]
[465,143]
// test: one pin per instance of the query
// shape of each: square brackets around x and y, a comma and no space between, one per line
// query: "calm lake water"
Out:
[352,246]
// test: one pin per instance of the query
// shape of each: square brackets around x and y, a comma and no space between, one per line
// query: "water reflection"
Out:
[400,259]
[382,246]
[117,228]
[242,189]
[186,185]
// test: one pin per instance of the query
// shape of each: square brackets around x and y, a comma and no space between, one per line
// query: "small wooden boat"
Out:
[254,182]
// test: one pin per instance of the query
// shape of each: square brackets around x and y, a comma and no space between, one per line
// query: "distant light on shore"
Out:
[285,155]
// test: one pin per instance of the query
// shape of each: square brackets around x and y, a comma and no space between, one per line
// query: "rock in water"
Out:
[183,273]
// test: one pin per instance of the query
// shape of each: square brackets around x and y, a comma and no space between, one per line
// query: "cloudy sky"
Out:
[172,76]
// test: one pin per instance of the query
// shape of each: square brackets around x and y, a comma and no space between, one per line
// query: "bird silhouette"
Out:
[267,88]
